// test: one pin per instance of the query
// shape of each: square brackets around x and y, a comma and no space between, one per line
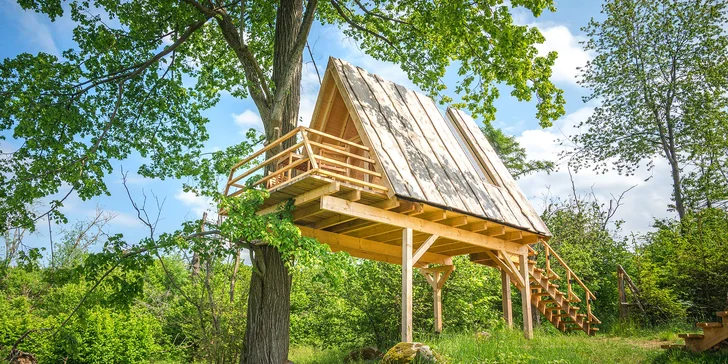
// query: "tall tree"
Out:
[121,91]
[513,154]
[660,75]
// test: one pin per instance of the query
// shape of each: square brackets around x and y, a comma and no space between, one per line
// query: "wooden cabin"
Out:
[383,175]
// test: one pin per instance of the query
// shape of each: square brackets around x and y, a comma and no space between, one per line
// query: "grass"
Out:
[509,346]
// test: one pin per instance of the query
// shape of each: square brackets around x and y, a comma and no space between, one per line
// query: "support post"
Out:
[526,296]
[506,293]
[622,295]
[407,285]
[437,305]
[437,277]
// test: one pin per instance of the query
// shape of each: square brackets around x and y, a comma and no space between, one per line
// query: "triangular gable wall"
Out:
[416,150]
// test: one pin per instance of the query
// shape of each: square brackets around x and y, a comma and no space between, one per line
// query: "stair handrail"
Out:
[566,267]
[569,275]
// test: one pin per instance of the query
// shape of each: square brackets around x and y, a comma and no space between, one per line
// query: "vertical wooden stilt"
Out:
[506,293]
[526,297]
[437,304]
[437,277]
[407,285]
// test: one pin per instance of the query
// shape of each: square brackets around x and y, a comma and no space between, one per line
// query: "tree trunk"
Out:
[677,188]
[269,306]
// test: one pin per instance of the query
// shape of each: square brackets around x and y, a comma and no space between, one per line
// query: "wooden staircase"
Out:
[553,296]
[560,306]
[713,334]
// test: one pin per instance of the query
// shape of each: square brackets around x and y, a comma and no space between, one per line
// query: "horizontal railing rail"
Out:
[329,156]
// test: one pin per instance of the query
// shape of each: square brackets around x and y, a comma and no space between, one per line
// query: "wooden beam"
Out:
[455,221]
[506,294]
[423,248]
[526,297]
[495,231]
[309,196]
[477,226]
[353,195]
[348,224]
[509,268]
[407,285]
[340,242]
[370,213]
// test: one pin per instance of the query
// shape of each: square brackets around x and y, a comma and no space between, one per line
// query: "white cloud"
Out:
[121,219]
[197,204]
[648,200]
[248,119]
[32,28]
[571,54]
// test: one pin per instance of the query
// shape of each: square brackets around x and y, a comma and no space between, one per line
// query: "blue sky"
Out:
[22,31]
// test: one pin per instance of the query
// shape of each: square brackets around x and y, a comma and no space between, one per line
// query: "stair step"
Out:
[574,308]
[709,325]
[722,314]
[594,329]
[553,285]
[532,262]
[691,336]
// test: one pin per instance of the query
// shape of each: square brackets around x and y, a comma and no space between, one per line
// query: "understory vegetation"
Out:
[174,311]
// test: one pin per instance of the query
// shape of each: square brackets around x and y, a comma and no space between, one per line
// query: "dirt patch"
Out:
[640,343]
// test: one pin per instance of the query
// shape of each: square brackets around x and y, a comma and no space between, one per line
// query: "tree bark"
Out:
[269,306]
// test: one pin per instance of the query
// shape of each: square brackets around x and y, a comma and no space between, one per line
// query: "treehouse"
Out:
[382,175]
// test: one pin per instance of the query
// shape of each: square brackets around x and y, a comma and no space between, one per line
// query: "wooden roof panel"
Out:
[421,157]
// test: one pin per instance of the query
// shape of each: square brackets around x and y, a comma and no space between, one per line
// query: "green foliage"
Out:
[660,76]
[509,346]
[684,266]
[513,155]
[121,89]
[362,306]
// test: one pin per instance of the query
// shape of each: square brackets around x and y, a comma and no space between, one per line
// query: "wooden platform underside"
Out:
[369,224]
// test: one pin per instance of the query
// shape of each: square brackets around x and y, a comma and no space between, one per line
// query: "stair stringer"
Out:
[561,303]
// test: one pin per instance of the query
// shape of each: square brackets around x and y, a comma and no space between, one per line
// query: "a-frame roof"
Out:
[425,157]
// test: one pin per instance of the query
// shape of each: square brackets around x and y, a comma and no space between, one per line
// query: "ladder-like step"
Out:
[691,336]
[709,325]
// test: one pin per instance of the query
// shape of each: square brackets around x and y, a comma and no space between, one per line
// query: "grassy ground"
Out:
[509,347]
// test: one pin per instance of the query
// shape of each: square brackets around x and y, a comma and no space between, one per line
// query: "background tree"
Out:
[513,154]
[660,77]
[121,91]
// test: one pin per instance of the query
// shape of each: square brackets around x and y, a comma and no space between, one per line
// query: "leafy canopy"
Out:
[660,77]
[142,72]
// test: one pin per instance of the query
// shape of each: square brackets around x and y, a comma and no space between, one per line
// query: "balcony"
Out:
[309,158]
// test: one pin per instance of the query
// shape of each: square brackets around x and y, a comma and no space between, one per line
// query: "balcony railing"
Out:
[311,152]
